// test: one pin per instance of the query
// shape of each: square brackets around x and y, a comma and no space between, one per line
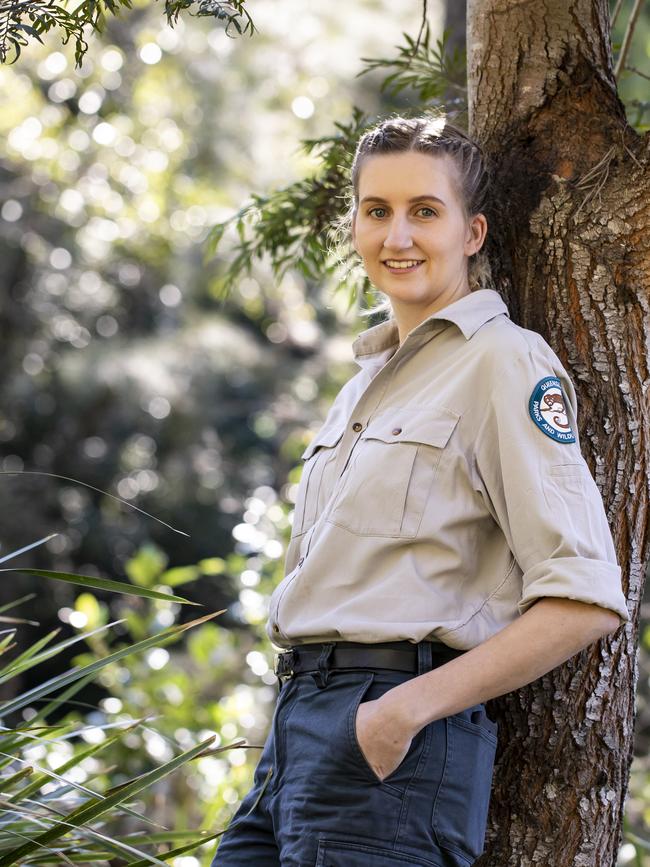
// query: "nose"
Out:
[398,235]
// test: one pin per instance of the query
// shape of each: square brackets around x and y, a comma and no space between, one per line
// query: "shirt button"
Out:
[357,426]
[301,561]
[396,430]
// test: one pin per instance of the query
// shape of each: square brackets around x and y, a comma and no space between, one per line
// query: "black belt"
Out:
[393,655]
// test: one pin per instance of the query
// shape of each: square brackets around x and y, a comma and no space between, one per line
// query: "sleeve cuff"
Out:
[595,581]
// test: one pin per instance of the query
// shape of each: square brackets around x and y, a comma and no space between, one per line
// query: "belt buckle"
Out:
[284,664]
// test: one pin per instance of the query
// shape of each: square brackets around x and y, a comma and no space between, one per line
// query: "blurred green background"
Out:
[126,368]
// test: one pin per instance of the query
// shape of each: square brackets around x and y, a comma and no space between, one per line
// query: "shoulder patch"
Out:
[547,407]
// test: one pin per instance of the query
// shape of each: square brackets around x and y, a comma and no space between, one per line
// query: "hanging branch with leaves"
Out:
[23,21]
[431,71]
[294,225]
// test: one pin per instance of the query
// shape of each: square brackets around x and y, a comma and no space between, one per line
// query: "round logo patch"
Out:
[547,408]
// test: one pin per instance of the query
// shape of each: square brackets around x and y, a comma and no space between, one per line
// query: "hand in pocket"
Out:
[383,745]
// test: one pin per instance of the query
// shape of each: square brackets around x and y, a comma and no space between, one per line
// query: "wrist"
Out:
[400,711]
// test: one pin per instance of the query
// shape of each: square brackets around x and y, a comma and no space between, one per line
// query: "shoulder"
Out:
[501,336]
[508,352]
[522,375]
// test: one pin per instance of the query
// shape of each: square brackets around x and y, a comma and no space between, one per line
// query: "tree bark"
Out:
[570,246]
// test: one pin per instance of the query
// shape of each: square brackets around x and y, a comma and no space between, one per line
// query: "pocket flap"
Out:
[327,436]
[431,425]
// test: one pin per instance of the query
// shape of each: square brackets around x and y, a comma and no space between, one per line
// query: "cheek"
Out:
[366,242]
[447,244]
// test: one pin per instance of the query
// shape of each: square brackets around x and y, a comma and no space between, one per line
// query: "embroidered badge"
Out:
[547,408]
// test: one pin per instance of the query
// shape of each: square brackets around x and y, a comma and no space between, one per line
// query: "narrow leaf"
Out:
[88,812]
[103,584]
[75,673]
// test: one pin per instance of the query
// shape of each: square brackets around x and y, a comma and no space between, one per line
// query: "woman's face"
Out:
[411,232]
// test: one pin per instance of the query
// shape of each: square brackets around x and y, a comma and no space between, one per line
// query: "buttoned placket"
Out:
[370,402]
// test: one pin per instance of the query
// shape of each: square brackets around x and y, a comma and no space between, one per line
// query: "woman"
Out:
[449,544]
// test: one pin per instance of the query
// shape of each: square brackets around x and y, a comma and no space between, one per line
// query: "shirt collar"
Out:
[469,313]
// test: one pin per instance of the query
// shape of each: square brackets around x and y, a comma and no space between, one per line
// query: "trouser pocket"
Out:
[460,809]
[397,781]
[325,781]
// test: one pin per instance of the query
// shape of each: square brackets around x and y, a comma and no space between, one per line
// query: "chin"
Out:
[411,293]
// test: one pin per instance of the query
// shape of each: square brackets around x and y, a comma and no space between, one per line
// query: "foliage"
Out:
[90,16]
[58,814]
[201,688]
[145,684]
[433,72]
[294,225]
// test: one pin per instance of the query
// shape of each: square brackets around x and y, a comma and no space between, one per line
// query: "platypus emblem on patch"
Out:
[547,408]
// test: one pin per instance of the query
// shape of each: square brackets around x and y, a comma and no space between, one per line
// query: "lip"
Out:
[402,270]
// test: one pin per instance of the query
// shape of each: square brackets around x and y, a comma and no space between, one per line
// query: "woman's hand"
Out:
[384,743]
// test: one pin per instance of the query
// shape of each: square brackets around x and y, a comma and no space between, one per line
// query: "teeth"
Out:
[406,263]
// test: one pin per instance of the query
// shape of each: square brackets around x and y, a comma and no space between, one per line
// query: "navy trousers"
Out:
[316,802]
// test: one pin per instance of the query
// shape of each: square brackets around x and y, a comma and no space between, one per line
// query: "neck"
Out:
[409,316]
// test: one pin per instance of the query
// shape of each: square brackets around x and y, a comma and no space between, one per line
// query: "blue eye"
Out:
[423,208]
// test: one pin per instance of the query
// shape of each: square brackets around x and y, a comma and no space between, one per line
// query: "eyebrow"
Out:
[410,201]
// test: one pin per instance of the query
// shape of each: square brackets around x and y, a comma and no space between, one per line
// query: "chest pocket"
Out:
[316,482]
[391,473]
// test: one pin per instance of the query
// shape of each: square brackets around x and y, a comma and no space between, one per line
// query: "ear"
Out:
[477,230]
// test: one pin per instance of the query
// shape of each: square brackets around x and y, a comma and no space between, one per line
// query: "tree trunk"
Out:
[570,243]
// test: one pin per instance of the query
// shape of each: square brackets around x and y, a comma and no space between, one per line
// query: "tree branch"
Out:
[617,9]
[627,39]
[638,72]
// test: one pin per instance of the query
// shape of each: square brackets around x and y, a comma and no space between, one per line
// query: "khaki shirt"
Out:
[445,492]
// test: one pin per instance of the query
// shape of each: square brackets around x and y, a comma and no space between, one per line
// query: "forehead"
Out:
[406,174]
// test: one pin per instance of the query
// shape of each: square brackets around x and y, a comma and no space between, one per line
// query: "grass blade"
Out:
[29,547]
[15,602]
[88,812]
[17,666]
[75,673]
[42,779]
[103,584]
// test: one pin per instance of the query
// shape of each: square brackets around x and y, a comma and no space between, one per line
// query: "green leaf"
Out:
[73,674]
[31,651]
[79,757]
[103,584]
[9,782]
[180,575]
[88,812]
[212,566]
[180,850]
[17,602]
[145,567]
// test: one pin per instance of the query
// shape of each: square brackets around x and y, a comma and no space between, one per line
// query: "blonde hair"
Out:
[431,134]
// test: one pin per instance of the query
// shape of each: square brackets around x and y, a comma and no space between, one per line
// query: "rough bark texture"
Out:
[570,228]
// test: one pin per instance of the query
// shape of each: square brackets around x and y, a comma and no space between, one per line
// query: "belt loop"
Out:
[321,676]
[425,658]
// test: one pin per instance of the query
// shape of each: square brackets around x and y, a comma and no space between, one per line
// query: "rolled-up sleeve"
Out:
[539,489]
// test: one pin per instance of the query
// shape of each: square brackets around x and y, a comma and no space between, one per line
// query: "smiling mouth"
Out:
[402,265]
